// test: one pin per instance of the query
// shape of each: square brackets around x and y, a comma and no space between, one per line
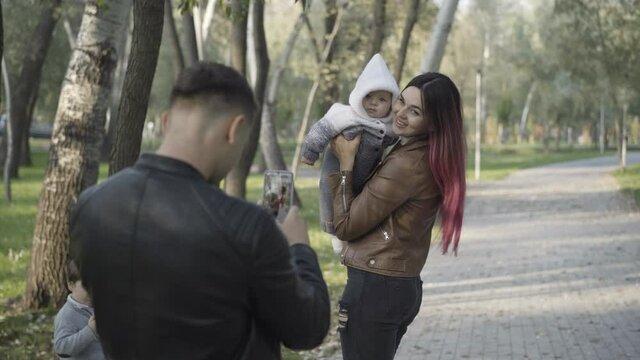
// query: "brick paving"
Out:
[549,268]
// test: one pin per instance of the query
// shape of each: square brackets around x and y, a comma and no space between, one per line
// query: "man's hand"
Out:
[294,227]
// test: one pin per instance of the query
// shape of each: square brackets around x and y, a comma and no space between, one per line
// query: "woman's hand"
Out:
[345,150]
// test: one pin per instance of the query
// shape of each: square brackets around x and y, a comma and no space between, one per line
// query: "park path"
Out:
[549,268]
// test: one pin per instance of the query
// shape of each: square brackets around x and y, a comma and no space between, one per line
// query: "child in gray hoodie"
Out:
[74,335]
[369,114]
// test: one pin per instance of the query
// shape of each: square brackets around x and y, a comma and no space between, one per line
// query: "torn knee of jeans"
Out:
[343,317]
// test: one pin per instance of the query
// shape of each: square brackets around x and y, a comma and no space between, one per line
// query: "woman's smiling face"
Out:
[408,114]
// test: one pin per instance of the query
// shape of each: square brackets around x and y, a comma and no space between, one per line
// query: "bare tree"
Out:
[268,136]
[330,83]
[3,140]
[74,152]
[314,90]
[377,28]
[25,93]
[145,46]
[71,35]
[235,182]
[6,176]
[170,25]
[262,72]
[123,50]
[190,40]
[207,19]
[412,18]
[525,112]
[315,45]
[438,40]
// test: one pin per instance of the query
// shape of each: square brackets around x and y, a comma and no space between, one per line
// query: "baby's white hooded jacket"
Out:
[351,120]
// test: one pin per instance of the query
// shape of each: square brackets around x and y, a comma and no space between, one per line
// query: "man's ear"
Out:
[234,129]
[164,123]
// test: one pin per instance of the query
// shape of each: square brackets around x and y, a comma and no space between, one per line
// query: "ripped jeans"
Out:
[375,312]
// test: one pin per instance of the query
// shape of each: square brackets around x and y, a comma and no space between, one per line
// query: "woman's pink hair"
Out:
[447,149]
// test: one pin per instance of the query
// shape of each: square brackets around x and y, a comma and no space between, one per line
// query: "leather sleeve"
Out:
[288,292]
[389,188]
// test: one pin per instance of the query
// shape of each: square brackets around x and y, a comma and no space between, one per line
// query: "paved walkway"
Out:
[549,268]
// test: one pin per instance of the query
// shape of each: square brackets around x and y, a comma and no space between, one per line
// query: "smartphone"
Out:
[277,192]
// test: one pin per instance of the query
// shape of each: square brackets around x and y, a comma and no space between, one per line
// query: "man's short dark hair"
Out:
[206,82]
[73,273]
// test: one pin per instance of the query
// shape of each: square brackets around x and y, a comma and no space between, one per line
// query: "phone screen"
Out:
[277,192]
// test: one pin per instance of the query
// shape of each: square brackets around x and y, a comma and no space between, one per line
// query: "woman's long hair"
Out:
[447,149]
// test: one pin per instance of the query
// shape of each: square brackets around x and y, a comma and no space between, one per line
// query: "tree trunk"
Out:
[438,40]
[3,139]
[330,82]
[123,49]
[312,92]
[271,152]
[235,182]
[71,35]
[25,149]
[268,135]
[26,89]
[73,156]
[197,27]
[525,113]
[145,46]
[412,18]
[207,20]
[190,41]
[6,176]
[317,52]
[377,31]
[178,58]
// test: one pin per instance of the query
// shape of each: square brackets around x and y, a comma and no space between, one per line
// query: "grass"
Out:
[27,335]
[629,181]
[497,162]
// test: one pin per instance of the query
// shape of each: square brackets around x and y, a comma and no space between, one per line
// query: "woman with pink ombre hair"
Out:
[388,225]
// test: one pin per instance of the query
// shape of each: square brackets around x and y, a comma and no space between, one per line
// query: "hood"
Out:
[375,76]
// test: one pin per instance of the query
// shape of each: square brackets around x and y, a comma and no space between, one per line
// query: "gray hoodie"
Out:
[350,120]
[72,337]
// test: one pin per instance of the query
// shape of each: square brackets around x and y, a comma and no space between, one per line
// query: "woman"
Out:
[388,225]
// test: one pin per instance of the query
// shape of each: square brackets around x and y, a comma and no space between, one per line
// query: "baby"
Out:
[75,326]
[369,113]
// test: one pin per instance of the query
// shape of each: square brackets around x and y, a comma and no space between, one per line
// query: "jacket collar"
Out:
[168,164]
[415,143]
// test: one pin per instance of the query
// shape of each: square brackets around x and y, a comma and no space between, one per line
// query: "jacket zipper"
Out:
[343,184]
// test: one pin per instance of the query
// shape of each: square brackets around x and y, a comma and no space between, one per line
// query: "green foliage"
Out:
[185,6]
[499,161]
[629,181]
[20,21]
[505,108]
[27,335]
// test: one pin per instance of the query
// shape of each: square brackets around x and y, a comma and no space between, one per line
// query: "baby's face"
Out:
[78,293]
[377,103]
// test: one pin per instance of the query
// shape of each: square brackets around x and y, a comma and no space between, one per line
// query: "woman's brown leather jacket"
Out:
[388,225]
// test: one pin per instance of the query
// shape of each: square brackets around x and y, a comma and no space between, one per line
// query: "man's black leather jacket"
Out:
[179,270]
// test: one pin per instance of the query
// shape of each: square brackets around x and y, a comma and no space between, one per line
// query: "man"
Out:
[179,270]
